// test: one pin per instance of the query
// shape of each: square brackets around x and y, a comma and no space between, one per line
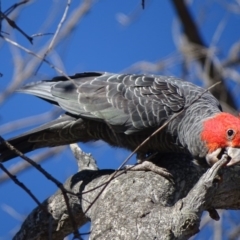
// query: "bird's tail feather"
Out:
[28,141]
[40,89]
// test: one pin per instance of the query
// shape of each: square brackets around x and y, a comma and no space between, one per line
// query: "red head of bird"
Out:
[222,132]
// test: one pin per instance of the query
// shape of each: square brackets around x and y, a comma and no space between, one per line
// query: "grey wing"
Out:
[129,103]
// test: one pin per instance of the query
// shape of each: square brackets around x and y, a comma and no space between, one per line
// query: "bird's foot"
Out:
[147,165]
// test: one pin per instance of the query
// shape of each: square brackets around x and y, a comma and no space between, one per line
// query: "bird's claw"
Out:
[150,166]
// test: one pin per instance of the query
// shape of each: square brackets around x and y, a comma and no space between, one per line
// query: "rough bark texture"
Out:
[138,205]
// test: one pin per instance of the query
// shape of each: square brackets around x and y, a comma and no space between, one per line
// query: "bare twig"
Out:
[85,161]
[20,184]
[24,71]
[23,165]
[194,37]
[48,176]
[29,121]
[56,33]
[211,50]
[9,10]
[41,34]
[14,6]
[36,55]
[233,56]
[14,25]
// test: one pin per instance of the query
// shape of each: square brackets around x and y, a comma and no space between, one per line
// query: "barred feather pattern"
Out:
[122,110]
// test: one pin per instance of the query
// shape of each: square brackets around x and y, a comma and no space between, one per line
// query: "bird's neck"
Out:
[190,126]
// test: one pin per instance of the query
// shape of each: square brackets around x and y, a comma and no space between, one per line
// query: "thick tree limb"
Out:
[137,205]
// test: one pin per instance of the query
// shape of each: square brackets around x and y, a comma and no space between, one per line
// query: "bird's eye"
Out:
[230,133]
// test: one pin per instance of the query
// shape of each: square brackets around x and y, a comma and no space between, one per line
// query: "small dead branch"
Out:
[23,165]
[84,161]
[194,37]
[50,47]
[20,184]
[14,25]
[48,176]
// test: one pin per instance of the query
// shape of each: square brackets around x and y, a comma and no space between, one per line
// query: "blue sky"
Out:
[98,43]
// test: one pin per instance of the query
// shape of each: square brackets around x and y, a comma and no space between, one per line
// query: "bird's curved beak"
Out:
[234,153]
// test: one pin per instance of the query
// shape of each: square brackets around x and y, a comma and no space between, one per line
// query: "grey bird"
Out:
[124,109]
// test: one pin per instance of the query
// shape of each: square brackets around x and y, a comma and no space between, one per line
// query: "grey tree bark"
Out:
[137,204]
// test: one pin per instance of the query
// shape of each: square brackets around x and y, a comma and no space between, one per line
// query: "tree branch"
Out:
[136,201]
[195,41]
